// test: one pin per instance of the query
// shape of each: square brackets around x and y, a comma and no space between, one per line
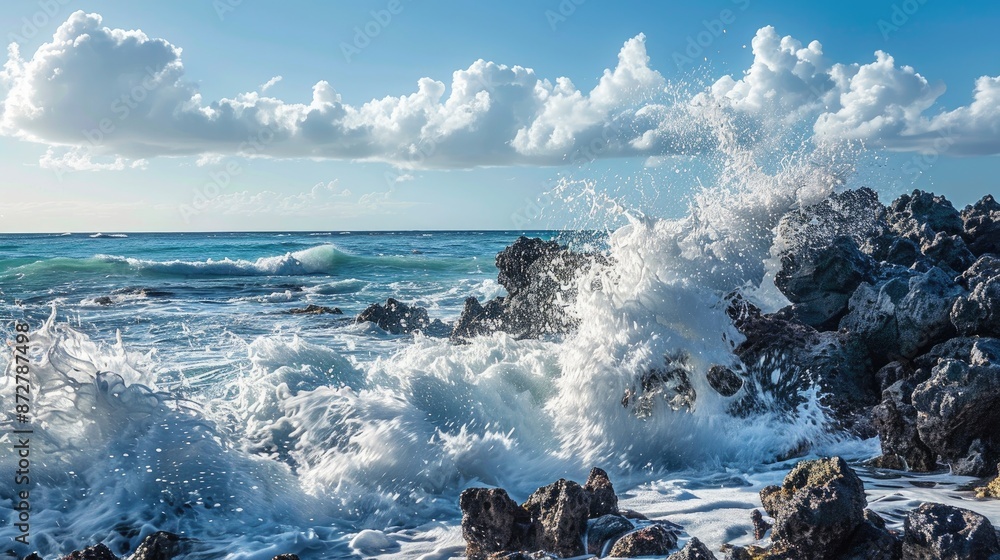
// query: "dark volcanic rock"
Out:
[871,541]
[979,311]
[817,507]
[33,556]
[724,380]
[395,317]
[856,214]
[313,309]
[819,282]
[560,511]
[982,226]
[896,421]
[958,408]
[760,527]
[603,499]
[161,545]
[838,362]
[901,316]
[920,216]
[653,540]
[96,552]
[693,550]
[941,532]
[286,557]
[492,522]
[540,279]
[605,530]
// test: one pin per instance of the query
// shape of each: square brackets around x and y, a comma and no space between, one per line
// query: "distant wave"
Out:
[321,259]
[108,235]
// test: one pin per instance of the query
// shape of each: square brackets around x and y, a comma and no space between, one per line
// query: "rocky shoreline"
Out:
[817,513]
[894,314]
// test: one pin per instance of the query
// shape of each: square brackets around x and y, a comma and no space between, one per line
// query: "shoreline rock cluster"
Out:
[895,315]
[819,512]
[161,545]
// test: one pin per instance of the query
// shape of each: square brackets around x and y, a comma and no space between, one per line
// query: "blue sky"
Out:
[195,139]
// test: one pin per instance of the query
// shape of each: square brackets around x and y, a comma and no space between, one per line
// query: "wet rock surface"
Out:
[938,531]
[654,540]
[540,278]
[396,317]
[161,545]
[96,552]
[693,550]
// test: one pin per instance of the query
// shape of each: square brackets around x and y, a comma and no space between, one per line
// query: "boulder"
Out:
[693,550]
[902,316]
[819,281]
[992,488]
[161,545]
[652,540]
[920,216]
[603,500]
[397,317]
[982,226]
[817,508]
[856,214]
[958,407]
[560,512]
[895,418]
[724,380]
[872,541]
[313,309]
[540,279]
[33,556]
[96,552]
[801,356]
[492,522]
[941,532]
[604,531]
[286,557]
[978,312]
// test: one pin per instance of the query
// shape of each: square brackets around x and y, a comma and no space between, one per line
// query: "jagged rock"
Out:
[477,319]
[492,522]
[397,317]
[669,384]
[560,511]
[693,550]
[603,500]
[539,277]
[652,540]
[979,311]
[760,527]
[948,251]
[958,408]
[941,532]
[161,545]
[895,418]
[982,226]
[313,309]
[856,214]
[33,556]
[901,316]
[919,216]
[992,488]
[724,380]
[817,507]
[872,541]
[838,362]
[892,372]
[96,552]
[819,282]
[604,530]
[286,557]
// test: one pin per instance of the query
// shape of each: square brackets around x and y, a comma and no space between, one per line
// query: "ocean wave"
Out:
[320,259]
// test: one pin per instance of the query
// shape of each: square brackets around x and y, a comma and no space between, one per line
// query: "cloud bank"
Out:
[93,92]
